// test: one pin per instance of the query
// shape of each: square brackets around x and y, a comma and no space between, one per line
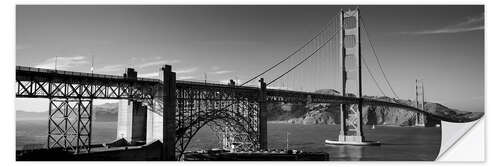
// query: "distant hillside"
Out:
[107,112]
[326,113]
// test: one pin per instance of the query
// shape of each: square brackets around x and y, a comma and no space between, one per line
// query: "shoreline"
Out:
[286,122]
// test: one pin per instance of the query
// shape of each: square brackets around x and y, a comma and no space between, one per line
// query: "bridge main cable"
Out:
[305,59]
[371,75]
[378,60]
[289,56]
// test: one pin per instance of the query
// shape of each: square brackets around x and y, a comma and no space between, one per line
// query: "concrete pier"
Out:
[132,121]
[154,122]
[132,116]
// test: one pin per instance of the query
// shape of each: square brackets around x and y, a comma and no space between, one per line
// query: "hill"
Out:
[107,112]
[324,113]
[328,113]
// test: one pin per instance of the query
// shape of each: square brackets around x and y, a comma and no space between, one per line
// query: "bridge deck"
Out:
[46,83]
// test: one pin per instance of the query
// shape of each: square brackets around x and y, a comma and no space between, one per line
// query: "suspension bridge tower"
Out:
[351,119]
[419,102]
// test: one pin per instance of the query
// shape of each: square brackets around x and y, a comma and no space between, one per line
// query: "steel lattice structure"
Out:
[225,108]
[44,83]
[235,141]
[419,102]
[29,79]
[70,124]
[351,79]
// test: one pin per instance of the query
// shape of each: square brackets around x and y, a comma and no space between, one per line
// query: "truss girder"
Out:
[218,107]
[198,104]
[70,122]
[36,83]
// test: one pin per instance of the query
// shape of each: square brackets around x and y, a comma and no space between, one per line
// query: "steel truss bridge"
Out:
[187,106]
[241,108]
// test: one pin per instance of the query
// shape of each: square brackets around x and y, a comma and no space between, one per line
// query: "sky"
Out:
[443,45]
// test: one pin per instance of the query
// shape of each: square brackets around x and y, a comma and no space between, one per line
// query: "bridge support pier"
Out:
[420,120]
[132,117]
[420,102]
[169,108]
[262,115]
[154,120]
[351,119]
[70,124]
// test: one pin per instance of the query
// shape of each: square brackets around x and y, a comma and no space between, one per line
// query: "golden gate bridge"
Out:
[184,107]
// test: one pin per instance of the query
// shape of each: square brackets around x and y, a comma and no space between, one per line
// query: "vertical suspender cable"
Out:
[378,61]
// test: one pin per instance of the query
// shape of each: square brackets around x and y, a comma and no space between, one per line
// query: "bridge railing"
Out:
[72,73]
[106,76]
[214,84]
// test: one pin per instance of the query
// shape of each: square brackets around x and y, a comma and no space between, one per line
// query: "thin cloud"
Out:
[157,75]
[63,63]
[186,77]
[178,72]
[149,75]
[118,67]
[448,30]
[222,72]
[224,81]
[157,63]
[469,24]
[185,71]
[111,68]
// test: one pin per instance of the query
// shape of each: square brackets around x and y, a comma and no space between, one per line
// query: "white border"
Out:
[7,47]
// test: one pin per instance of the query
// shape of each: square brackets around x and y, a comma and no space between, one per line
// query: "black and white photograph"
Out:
[245,82]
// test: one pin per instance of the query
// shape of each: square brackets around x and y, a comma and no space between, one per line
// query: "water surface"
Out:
[398,143]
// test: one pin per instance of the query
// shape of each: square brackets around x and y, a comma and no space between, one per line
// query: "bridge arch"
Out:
[223,109]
